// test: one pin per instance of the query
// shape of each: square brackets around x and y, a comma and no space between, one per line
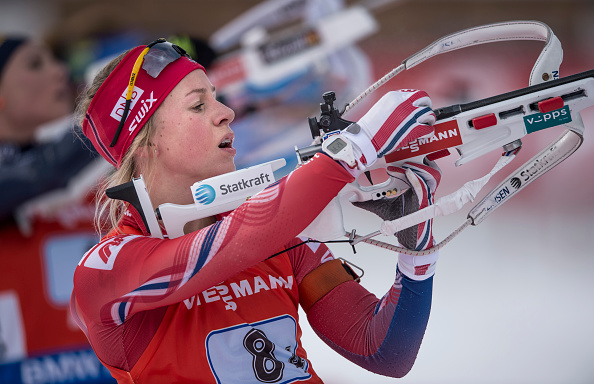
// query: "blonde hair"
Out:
[114,209]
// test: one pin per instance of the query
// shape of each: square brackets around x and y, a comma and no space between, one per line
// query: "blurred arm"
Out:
[25,174]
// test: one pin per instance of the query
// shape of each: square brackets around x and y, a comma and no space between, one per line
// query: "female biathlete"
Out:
[211,306]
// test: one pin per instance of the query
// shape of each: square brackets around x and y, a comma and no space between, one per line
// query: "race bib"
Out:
[258,352]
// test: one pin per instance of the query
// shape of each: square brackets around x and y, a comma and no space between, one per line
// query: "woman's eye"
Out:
[198,107]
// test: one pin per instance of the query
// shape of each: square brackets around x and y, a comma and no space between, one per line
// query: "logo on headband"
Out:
[118,109]
[145,107]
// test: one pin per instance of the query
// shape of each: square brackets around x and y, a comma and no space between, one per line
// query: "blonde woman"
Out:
[211,306]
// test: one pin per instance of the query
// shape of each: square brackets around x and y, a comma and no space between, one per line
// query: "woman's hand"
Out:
[397,119]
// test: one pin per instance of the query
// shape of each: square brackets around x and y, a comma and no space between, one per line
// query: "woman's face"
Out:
[34,88]
[193,138]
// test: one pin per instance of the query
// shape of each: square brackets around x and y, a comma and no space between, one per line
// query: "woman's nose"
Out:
[225,115]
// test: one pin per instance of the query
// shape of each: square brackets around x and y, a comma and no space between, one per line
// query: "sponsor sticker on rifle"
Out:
[289,45]
[226,71]
[539,121]
[447,135]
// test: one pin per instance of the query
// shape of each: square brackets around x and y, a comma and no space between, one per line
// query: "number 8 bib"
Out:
[262,352]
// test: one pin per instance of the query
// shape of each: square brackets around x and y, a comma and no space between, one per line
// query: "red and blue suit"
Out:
[213,307]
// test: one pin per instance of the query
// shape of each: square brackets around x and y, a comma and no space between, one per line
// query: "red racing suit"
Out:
[212,307]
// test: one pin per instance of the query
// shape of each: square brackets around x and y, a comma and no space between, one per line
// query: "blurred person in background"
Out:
[46,219]
[212,305]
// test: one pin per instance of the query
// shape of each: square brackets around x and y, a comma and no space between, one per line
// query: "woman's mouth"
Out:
[227,146]
[226,143]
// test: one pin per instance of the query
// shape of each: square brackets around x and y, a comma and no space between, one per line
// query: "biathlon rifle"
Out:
[472,129]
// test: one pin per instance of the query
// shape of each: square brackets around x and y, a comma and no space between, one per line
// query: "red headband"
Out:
[106,109]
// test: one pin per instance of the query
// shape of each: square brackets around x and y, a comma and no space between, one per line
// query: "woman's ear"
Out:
[143,156]
[147,151]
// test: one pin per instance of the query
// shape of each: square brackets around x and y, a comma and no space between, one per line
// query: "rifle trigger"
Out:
[368,175]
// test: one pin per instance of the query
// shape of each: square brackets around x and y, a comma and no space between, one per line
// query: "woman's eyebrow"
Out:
[196,90]
[201,91]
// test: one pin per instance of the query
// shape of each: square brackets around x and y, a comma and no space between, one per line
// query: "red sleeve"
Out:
[126,274]
[382,336]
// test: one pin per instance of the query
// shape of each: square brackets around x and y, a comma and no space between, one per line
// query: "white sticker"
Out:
[264,351]
[118,109]
[103,255]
